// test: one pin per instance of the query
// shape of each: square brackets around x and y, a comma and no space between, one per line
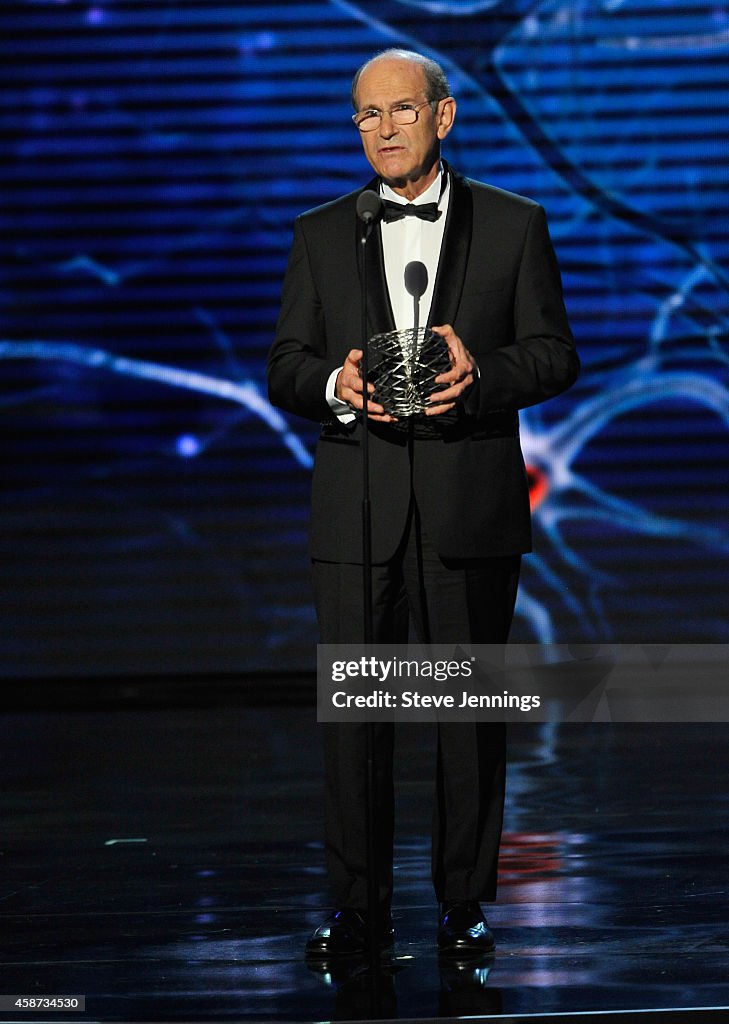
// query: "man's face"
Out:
[404,155]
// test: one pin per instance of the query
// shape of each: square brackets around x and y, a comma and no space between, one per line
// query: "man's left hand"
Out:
[461,376]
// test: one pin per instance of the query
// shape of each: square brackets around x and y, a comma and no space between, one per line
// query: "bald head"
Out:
[435,82]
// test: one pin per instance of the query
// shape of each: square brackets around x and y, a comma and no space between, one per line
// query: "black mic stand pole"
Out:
[366,508]
[369,206]
[373,901]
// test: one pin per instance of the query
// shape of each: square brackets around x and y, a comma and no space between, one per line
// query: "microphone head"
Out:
[416,278]
[369,207]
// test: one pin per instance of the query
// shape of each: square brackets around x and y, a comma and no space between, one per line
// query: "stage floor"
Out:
[165,862]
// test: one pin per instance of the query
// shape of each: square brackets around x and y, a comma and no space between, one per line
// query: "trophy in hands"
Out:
[403,366]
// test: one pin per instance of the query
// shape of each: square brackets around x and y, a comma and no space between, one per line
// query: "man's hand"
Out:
[462,375]
[348,388]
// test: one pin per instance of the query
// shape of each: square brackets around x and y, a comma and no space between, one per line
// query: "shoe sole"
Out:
[465,952]
[317,955]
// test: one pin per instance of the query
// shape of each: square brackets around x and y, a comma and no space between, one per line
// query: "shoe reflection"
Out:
[359,992]
[465,988]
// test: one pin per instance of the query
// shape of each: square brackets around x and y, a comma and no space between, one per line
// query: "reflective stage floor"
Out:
[165,862]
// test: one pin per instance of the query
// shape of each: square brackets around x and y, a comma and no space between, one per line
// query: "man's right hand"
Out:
[348,388]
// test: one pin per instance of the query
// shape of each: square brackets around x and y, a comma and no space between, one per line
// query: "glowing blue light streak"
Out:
[245,393]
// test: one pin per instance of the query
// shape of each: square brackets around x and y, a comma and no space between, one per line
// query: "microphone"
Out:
[369,207]
[416,281]
[416,278]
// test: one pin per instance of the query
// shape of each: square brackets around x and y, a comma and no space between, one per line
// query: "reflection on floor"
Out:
[166,863]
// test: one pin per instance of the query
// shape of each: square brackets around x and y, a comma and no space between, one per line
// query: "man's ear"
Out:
[446,116]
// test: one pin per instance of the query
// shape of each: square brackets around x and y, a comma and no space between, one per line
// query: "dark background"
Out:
[154,156]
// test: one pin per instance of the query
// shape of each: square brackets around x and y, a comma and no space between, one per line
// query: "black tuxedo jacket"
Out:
[499,285]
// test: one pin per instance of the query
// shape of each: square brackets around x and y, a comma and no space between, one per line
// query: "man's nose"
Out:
[388,128]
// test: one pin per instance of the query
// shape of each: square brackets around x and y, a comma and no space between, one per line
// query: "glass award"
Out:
[403,366]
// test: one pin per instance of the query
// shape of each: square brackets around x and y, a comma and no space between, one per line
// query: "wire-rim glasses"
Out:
[402,113]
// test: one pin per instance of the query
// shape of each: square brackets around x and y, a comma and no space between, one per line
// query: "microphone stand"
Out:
[366,507]
[369,207]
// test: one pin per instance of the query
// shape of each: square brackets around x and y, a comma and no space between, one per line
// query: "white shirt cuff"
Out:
[342,410]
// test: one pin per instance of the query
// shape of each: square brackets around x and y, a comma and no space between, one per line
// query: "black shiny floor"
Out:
[165,862]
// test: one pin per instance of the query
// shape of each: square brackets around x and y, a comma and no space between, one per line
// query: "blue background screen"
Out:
[154,157]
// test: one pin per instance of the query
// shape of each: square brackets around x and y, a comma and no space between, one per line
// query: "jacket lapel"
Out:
[379,310]
[454,253]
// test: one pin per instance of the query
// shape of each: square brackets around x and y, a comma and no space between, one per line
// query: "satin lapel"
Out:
[379,310]
[454,253]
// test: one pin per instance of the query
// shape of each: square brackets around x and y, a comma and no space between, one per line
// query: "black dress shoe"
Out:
[344,933]
[464,930]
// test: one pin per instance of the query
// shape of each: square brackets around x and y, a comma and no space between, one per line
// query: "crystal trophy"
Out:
[403,366]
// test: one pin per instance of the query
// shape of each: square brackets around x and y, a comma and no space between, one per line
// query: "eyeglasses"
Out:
[403,113]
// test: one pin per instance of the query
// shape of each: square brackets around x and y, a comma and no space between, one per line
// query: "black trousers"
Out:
[450,601]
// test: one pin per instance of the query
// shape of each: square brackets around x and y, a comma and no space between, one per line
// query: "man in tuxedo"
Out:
[449,496]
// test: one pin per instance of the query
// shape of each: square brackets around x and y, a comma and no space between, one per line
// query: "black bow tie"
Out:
[396,211]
